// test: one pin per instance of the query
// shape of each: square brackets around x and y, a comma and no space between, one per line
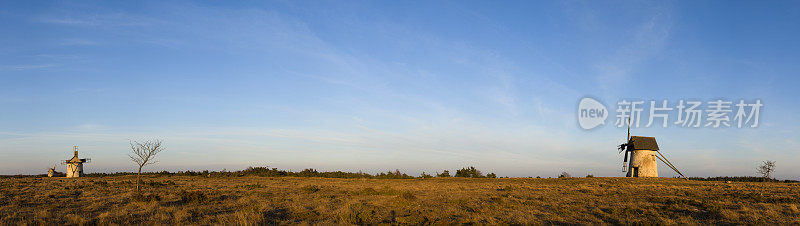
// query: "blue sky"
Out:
[383,85]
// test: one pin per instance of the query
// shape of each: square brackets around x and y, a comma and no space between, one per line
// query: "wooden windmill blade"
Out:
[629,131]
[622,147]
[626,146]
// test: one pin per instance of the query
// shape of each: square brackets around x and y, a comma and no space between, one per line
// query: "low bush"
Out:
[739,179]
[469,172]
[425,175]
[192,196]
[408,195]
[369,191]
[139,197]
[310,189]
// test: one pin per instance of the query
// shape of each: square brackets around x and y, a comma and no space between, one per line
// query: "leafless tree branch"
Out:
[766,168]
[143,154]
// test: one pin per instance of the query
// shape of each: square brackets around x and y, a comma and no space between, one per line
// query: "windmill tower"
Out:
[51,172]
[75,164]
[643,157]
[643,154]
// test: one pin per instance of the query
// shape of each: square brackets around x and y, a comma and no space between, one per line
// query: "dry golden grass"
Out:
[259,200]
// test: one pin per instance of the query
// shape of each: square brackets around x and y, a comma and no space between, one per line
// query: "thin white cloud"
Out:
[647,40]
[107,20]
[26,67]
[78,42]
[66,21]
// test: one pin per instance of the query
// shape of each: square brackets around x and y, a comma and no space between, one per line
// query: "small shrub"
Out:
[506,188]
[370,191]
[590,176]
[158,184]
[469,172]
[138,197]
[310,189]
[445,173]
[393,175]
[252,186]
[425,175]
[738,179]
[192,196]
[408,195]
[564,175]
[361,214]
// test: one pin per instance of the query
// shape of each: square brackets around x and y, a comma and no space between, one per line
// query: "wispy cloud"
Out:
[67,21]
[26,67]
[646,41]
[78,42]
[96,19]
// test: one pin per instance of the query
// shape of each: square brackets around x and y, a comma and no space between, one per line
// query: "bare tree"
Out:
[142,153]
[766,168]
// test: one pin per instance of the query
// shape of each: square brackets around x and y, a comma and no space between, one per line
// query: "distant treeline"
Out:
[470,172]
[739,179]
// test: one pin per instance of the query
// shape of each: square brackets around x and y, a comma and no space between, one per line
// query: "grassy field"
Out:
[290,200]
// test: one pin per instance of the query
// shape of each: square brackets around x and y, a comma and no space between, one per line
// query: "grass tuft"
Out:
[192,196]
[310,188]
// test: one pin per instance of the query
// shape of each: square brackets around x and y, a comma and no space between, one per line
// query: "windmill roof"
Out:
[643,143]
[76,160]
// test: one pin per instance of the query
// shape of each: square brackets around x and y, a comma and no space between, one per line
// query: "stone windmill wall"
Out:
[643,157]
[75,169]
[643,164]
[75,166]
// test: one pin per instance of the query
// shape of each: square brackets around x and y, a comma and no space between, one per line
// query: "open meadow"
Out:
[294,200]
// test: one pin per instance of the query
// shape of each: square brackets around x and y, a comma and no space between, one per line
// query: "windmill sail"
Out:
[624,147]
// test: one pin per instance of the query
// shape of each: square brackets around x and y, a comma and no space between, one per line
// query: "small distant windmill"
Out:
[51,171]
[643,156]
[75,164]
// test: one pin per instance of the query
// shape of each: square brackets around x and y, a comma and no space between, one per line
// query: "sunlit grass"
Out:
[289,200]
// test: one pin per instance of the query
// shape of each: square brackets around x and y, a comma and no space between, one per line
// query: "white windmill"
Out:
[643,154]
[75,164]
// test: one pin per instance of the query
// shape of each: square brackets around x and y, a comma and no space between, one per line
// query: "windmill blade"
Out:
[626,157]
[625,161]
[629,131]
[623,146]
